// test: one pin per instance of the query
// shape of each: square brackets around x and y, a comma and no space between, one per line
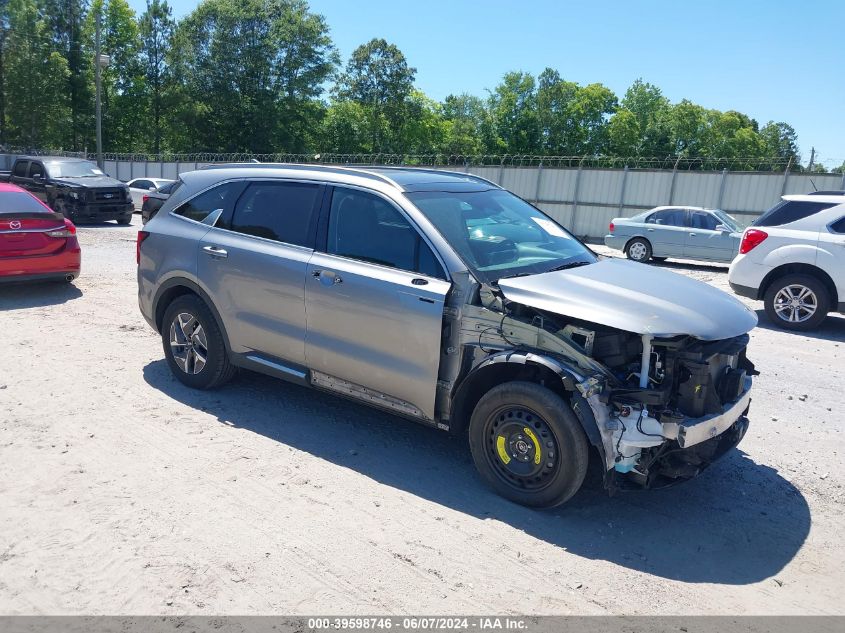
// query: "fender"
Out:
[570,378]
[184,282]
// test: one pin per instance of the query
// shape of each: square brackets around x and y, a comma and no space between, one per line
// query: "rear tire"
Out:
[797,302]
[638,250]
[528,445]
[193,344]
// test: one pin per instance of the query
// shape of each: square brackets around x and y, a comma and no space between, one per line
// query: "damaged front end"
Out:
[658,405]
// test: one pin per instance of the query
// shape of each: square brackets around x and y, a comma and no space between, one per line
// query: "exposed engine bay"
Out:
[662,408]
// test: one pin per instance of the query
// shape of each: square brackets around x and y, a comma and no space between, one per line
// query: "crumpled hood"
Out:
[91,181]
[635,298]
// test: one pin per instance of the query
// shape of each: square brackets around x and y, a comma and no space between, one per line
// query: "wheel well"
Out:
[800,269]
[637,237]
[483,380]
[166,298]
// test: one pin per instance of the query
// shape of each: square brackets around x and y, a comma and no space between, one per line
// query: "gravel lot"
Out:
[123,492]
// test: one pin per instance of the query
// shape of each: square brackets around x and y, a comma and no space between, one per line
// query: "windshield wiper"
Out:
[569,265]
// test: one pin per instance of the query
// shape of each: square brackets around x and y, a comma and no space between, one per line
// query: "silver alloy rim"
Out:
[188,343]
[795,303]
[637,251]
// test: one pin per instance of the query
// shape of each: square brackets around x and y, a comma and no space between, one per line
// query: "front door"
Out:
[705,242]
[374,299]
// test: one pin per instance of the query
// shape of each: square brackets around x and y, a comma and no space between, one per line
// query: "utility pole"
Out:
[812,158]
[99,106]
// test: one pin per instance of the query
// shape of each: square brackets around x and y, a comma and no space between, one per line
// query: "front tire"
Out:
[528,445]
[638,250]
[193,344]
[797,302]
[125,220]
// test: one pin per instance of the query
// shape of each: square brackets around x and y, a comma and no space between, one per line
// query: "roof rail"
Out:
[829,192]
[331,169]
[428,170]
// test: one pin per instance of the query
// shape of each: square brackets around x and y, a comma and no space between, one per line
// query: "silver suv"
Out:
[445,299]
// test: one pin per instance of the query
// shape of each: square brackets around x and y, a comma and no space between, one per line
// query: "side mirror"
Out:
[151,189]
[37,178]
[723,229]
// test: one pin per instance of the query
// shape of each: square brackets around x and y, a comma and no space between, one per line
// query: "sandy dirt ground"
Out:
[123,492]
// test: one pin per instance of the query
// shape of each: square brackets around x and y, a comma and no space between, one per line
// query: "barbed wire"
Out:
[680,163]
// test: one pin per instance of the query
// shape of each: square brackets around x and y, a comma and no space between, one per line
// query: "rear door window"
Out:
[788,211]
[366,227]
[280,211]
[210,204]
[142,184]
[838,226]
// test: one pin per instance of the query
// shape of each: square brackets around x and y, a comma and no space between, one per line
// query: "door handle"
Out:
[692,234]
[419,281]
[318,274]
[215,251]
[650,230]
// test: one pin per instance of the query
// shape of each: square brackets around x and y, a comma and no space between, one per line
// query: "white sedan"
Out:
[139,186]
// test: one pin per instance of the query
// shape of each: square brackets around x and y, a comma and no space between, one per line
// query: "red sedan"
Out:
[35,242]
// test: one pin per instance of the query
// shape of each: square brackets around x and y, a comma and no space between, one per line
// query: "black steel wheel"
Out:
[528,445]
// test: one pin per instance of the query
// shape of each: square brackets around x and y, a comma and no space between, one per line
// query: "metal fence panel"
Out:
[558,184]
[648,188]
[751,192]
[698,189]
[601,185]
[520,180]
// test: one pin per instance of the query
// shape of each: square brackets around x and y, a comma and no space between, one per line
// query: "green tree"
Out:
[123,80]
[378,77]
[37,108]
[466,123]
[650,109]
[345,129]
[248,75]
[67,22]
[513,108]
[156,26]
[624,136]
[781,141]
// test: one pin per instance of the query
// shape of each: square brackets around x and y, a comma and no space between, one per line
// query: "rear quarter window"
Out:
[210,203]
[838,226]
[789,211]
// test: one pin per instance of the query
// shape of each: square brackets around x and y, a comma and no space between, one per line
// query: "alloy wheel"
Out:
[795,303]
[188,343]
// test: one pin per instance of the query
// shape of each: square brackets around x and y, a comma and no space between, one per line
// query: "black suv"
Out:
[74,187]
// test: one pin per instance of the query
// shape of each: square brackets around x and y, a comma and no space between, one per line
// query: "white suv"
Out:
[793,258]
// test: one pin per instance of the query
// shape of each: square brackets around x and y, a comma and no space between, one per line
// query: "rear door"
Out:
[667,231]
[705,242]
[253,264]
[375,292]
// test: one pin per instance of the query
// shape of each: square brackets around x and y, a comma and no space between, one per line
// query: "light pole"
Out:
[100,61]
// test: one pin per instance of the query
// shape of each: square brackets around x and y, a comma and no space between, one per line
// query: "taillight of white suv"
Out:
[751,239]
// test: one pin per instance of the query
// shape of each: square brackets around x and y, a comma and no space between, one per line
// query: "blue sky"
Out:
[775,60]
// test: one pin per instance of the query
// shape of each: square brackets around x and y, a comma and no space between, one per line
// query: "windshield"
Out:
[499,235]
[728,221]
[73,169]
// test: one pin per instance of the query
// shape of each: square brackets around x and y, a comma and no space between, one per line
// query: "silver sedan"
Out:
[682,232]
